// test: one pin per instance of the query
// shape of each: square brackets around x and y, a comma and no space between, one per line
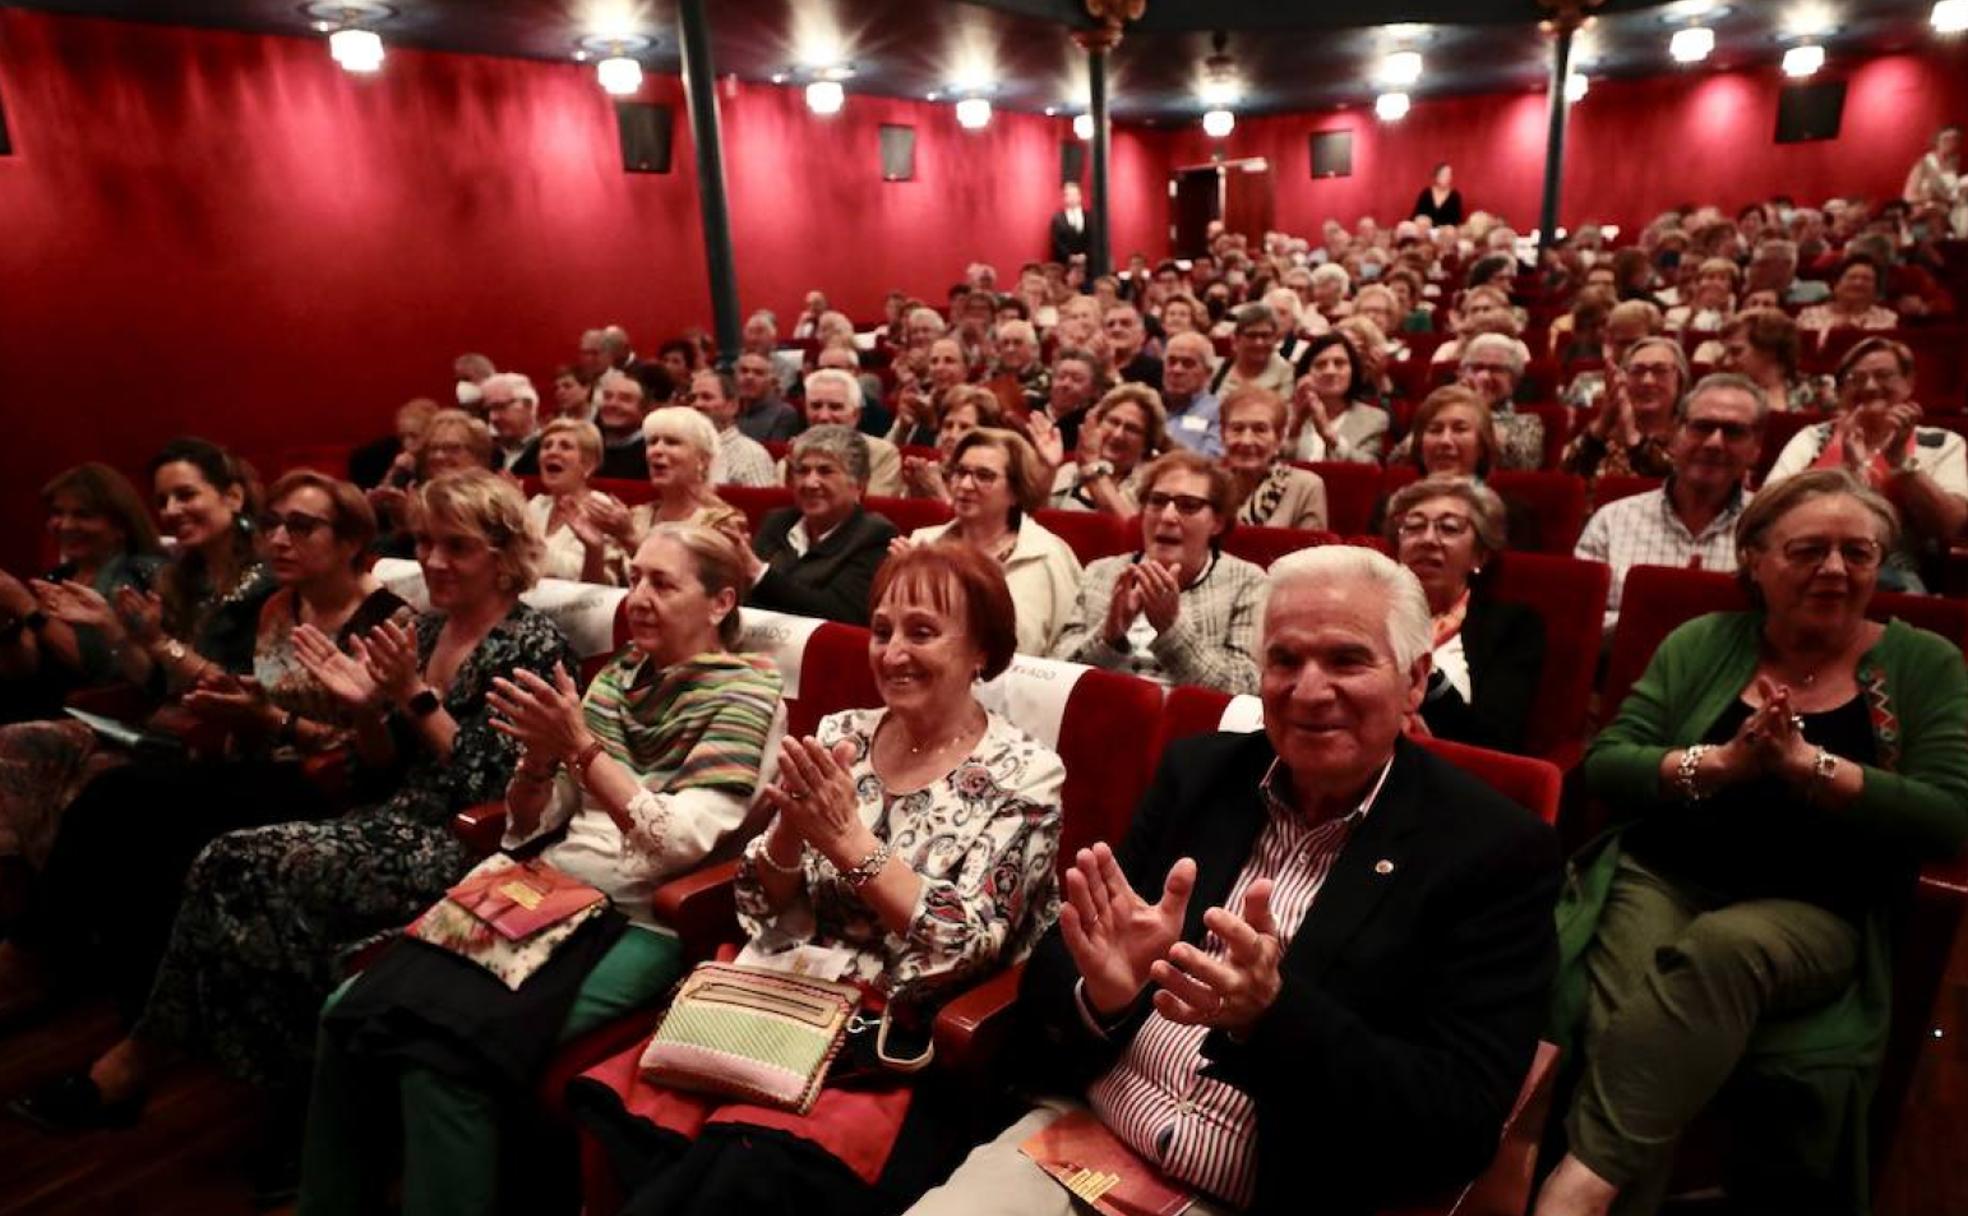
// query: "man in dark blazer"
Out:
[1329,989]
[819,556]
[1070,235]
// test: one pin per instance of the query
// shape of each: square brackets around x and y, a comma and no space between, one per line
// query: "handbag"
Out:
[509,916]
[751,1033]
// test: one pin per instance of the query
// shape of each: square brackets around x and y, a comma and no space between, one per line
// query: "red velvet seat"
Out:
[1351,492]
[1556,501]
[1778,428]
[1262,546]
[756,502]
[628,489]
[1569,595]
[1612,487]
[1091,535]
[908,514]
[1557,421]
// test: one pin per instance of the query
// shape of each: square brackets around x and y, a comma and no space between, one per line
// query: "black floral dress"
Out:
[268,913]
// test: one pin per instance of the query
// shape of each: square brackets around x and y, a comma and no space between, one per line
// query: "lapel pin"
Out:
[1383,866]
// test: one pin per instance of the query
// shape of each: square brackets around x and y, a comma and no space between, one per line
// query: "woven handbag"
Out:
[746,1032]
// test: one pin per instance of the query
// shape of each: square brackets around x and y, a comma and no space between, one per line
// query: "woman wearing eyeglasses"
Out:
[1921,470]
[1179,610]
[1778,774]
[996,481]
[1128,426]
[134,829]
[1488,655]
[1634,419]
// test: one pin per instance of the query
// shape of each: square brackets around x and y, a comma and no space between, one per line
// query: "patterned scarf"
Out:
[1263,502]
[699,723]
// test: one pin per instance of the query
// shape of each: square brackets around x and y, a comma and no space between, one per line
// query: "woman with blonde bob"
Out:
[680,446]
[567,513]
[267,913]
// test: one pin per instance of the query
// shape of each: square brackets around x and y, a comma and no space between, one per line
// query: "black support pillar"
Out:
[700,89]
[1100,258]
[1562,28]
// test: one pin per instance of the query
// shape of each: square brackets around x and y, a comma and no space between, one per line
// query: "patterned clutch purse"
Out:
[750,1033]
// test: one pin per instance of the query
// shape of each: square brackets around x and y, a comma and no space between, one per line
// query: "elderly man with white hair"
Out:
[1312,976]
[761,337]
[1493,365]
[512,411]
[833,398]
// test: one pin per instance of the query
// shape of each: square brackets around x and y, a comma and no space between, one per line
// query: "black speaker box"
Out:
[898,153]
[645,131]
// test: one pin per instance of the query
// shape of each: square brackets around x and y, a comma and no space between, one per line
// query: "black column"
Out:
[700,89]
[1554,143]
[1099,257]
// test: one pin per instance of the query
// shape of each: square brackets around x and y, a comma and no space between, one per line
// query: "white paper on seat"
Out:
[1244,714]
[1032,693]
[783,637]
[405,578]
[585,612]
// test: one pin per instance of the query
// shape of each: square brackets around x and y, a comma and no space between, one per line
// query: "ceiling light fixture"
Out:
[1391,107]
[825,96]
[1691,45]
[1219,123]
[616,68]
[1950,16]
[1576,87]
[1402,67]
[351,43]
[1803,60]
[1083,125]
[974,113]
[356,50]
[619,75]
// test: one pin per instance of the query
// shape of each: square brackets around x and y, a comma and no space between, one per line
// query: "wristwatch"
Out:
[423,705]
[1099,468]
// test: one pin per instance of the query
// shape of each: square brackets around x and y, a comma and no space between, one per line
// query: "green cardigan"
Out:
[1915,805]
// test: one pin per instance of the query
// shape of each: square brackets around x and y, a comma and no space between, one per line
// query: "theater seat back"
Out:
[1569,596]
[1091,535]
[1262,546]
[756,502]
[1351,491]
[908,514]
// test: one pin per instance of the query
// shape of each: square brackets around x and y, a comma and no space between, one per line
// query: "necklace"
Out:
[917,750]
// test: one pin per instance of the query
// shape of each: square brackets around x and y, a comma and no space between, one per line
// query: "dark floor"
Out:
[185,1158]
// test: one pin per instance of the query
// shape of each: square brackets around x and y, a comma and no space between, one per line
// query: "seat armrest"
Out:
[122,700]
[702,907]
[970,1029]
[481,827]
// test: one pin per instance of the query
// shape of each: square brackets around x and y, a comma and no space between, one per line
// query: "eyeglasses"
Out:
[1733,432]
[1186,505]
[298,526]
[1494,369]
[1861,379]
[1810,554]
[1650,371]
[1448,527]
[983,478]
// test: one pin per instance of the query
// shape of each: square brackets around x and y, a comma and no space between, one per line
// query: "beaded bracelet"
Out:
[1684,773]
[585,760]
[871,865]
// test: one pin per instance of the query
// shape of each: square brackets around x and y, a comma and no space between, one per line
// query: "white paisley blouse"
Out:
[984,840]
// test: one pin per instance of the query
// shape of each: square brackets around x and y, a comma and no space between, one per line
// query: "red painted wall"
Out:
[1633,149]
[227,233]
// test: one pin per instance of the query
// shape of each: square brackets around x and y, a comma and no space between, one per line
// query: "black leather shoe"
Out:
[72,1104]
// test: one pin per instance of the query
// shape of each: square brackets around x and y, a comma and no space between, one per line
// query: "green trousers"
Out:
[1678,984]
[450,1128]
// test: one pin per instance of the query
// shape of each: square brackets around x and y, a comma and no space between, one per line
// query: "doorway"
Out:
[1238,192]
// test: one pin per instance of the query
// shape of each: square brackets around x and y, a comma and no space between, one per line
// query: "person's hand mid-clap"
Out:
[815,800]
[1114,936]
[1230,991]
[545,719]
[1161,594]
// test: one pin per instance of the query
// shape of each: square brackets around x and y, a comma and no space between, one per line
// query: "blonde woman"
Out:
[567,512]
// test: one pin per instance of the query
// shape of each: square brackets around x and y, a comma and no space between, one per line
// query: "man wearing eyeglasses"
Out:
[512,410]
[1194,419]
[1691,520]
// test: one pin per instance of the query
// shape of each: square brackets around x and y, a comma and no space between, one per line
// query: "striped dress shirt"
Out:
[1199,1131]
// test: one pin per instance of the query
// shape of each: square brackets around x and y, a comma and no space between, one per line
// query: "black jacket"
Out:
[835,576]
[1413,993]
[1066,241]
[1504,644]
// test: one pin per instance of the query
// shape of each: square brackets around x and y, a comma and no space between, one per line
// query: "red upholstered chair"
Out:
[1777,431]
[1611,487]
[908,514]
[1555,500]
[1504,1189]
[1262,546]
[777,449]
[1557,429]
[628,489]
[1570,596]
[332,459]
[756,502]
[1091,535]
[1351,492]
[1940,359]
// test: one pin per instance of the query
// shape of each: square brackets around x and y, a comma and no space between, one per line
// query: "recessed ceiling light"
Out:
[1083,126]
[974,113]
[1391,107]
[1576,87]
[1402,67]
[1219,123]
[1950,16]
[825,96]
[356,50]
[1803,60]
[1691,45]
[619,75]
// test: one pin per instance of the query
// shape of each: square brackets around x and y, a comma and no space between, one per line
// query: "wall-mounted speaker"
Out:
[6,141]
[1072,160]
[898,153]
[1810,111]
[1332,154]
[644,128]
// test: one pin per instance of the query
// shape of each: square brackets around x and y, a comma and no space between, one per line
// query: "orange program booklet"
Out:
[521,900]
[1081,1155]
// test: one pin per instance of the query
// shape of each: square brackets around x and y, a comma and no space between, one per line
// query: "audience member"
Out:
[512,412]
[1020,378]
[394,457]
[1331,417]
[572,396]
[1876,437]
[1078,380]
[1763,344]
[1634,424]
[833,398]
[762,416]
[619,411]
[916,845]
[1493,365]
[1269,491]
[1126,340]
[967,407]
[1255,362]
[1854,302]
[1238,992]
[1178,610]
[647,776]
[1125,430]
[818,557]
[1192,408]
[1712,301]
[1780,774]
[761,337]
[681,447]
[995,485]
[1690,521]
[1487,655]
[740,459]
[571,519]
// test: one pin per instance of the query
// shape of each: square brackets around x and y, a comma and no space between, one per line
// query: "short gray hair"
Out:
[1502,343]
[615,340]
[1725,382]
[1486,510]
[1410,629]
[1671,345]
[1331,271]
[1252,315]
[843,445]
[642,394]
[835,375]
[521,386]
[685,423]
